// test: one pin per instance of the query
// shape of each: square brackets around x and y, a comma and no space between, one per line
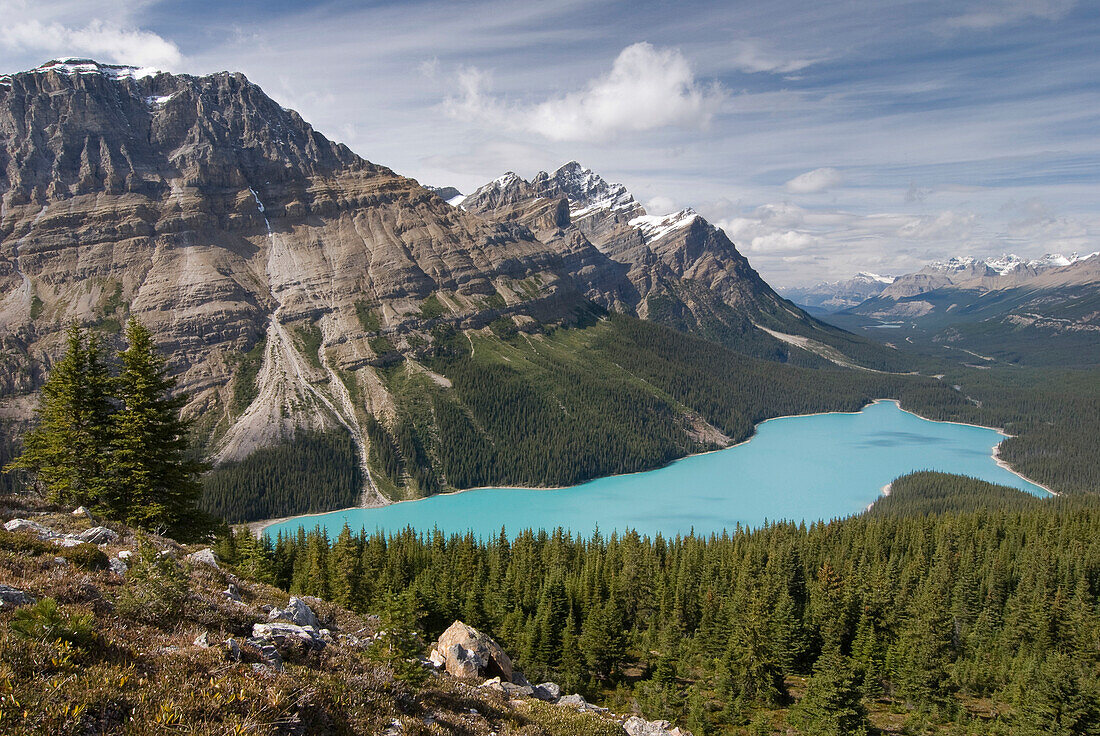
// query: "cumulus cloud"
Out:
[782,241]
[646,88]
[753,57]
[99,39]
[815,182]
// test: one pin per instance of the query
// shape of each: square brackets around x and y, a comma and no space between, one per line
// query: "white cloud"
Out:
[753,56]
[947,225]
[99,39]
[782,241]
[660,205]
[647,88]
[815,182]
[986,14]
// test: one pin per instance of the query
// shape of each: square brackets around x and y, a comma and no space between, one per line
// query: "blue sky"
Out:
[825,137]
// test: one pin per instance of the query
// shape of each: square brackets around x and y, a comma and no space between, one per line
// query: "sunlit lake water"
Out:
[798,468]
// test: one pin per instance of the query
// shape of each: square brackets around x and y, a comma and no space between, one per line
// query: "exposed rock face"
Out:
[296,612]
[636,726]
[469,654]
[221,219]
[99,535]
[677,269]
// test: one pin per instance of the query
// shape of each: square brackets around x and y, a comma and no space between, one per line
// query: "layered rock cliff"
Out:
[677,269]
[223,220]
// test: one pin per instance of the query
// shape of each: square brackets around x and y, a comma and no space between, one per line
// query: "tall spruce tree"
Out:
[67,451]
[155,484]
[833,704]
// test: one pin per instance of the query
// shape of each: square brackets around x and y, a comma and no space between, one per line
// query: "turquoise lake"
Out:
[809,468]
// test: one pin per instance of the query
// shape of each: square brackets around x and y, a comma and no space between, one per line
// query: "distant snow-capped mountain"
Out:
[968,268]
[833,296]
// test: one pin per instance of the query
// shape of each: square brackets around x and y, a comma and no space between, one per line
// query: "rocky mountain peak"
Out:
[74,65]
[76,126]
[588,193]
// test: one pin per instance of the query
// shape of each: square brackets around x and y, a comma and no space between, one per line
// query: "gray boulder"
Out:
[33,527]
[280,632]
[118,567]
[574,700]
[517,691]
[296,612]
[548,691]
[636,726]
[463,663]
[462,645]
[81,511]
[204,557]
[13,597]
[99,535]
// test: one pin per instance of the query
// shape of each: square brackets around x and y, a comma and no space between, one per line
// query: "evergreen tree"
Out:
[924,652]
[66,452]
[347,570]
[1060,700]
[602,640]
[155,484]
[399,644]
[752,667]
[832,705]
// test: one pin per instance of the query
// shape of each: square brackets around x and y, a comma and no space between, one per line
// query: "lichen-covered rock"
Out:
[204,557]
[548,691]
[469,654]
[13,597]
[463,663]
[99,535]
[31,527]
[281,631]
[636,726]
[296,612]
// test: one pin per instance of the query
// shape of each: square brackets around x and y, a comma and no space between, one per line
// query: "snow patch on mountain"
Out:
[588,193]
[1004,264]
[655,227]
[71,65]
[873,278]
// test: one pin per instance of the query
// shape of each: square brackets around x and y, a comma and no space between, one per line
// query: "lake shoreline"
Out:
[259,527]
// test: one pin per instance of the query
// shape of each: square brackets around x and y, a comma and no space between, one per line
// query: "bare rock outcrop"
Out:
[636,726]
[468,654]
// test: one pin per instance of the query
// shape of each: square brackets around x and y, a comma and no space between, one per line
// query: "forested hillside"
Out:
[979,621]
[620,395]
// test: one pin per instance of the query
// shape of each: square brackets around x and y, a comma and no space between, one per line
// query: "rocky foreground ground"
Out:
[103,630]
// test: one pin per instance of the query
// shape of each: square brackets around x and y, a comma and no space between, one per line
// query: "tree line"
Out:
[986,595]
